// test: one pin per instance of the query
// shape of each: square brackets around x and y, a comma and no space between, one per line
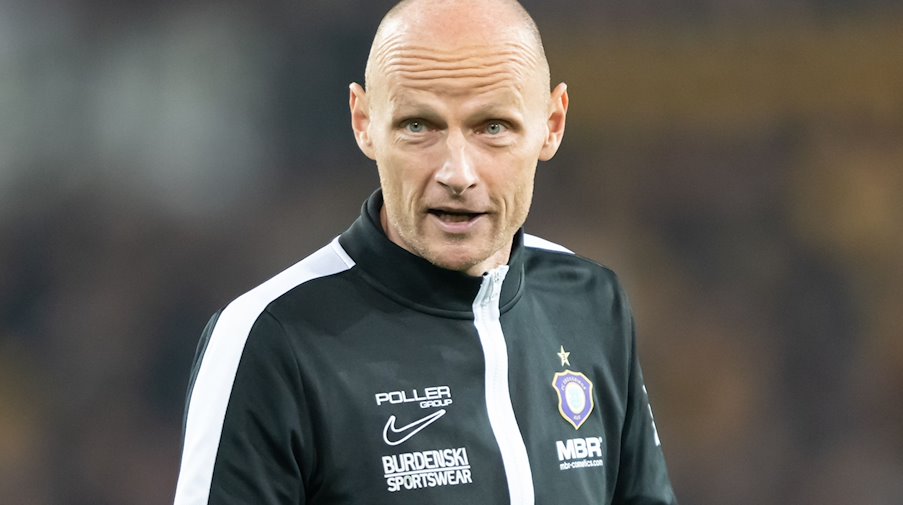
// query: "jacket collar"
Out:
[414,281]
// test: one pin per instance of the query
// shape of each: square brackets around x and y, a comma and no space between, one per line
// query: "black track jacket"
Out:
[366,375]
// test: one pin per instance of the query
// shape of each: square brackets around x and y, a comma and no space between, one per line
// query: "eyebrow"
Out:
[407,108]
[499,103]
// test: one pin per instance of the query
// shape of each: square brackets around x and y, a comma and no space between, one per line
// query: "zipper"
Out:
[498,395]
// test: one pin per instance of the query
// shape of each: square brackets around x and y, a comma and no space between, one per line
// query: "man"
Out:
[432,353]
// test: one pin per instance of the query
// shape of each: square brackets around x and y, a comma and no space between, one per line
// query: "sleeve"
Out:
[244,420]
[196,364]
[642,474]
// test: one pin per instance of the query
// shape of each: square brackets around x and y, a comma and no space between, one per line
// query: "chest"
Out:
[407,409]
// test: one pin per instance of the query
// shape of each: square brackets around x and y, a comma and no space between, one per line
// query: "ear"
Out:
[360,118]
[558,111]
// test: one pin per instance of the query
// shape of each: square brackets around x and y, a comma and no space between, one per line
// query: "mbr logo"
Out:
[579,448]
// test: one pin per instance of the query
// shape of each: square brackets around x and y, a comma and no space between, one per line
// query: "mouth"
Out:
[455,216]
[456,221]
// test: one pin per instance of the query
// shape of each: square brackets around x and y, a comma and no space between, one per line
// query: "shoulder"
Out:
[241,314]
[534,242]
[228,336]
[547,255]
[559,276]
[554,267]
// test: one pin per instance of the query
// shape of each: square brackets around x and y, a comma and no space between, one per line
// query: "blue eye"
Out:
[495,128]
[415,126]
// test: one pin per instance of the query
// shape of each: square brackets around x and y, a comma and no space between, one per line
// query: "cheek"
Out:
[518,188]
[524,190]
[514,173]
[402,179]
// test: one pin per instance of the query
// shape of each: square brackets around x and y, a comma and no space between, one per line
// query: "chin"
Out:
[459,254]
[457,262]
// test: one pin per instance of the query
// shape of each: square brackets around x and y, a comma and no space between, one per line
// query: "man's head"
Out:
[456,113]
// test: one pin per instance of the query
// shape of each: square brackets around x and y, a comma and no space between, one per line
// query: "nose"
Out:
[457,173]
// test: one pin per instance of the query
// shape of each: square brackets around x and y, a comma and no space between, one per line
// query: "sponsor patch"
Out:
[579,453]
[424,469]
[435,396]
[575,397]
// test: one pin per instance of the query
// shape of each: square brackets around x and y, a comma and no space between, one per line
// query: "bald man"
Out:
[433,352]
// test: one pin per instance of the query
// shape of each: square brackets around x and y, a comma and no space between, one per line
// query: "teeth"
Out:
[454,217]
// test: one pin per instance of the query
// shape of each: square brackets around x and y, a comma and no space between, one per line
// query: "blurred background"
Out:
[738,162]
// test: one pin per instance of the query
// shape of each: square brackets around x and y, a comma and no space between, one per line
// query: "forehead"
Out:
[401,98]
[505,70]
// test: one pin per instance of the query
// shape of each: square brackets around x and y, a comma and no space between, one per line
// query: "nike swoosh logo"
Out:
[409,430]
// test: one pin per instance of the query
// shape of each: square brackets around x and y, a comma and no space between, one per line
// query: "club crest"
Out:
[575,397]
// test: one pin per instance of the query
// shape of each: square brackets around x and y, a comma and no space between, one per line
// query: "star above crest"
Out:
[563,355]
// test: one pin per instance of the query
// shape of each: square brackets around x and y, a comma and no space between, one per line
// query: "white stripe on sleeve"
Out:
[541,243]
[219,364]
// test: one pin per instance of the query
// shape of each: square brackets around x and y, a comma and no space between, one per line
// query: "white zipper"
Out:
[498,396]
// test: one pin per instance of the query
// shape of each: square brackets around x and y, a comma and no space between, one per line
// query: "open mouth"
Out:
[454,216]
